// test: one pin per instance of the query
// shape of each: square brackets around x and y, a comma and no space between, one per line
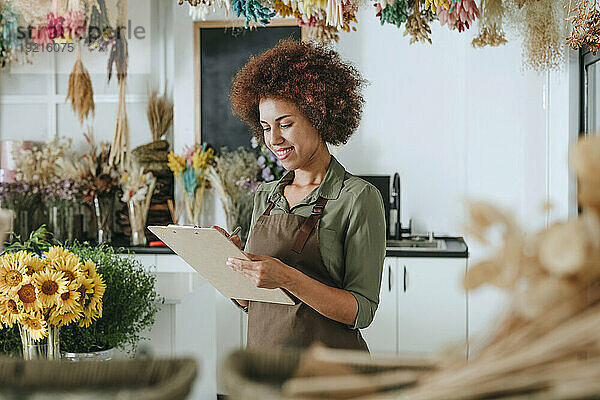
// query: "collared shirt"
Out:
[351,231]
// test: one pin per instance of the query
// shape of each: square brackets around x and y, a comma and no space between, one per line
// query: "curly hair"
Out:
[324,88]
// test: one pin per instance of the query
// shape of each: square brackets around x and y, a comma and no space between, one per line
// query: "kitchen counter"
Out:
[455,247]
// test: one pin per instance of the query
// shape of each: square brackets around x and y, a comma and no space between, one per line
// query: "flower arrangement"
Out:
[98,177]
[128,306]
[138,187]
[57,289]
[191,171]
[39,165]
[234,177]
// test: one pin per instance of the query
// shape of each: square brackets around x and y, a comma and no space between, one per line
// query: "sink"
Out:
[417,243]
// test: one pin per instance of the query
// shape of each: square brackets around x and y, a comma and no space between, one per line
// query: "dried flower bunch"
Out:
[40,165]
[192,170]
[585,26]
[57,288]
[97,175]
[460,15]
[417,26]
[541,24]
[160,114]
[233,176]
[490,24]
[80,91]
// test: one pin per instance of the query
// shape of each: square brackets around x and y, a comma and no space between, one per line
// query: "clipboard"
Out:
[206,250]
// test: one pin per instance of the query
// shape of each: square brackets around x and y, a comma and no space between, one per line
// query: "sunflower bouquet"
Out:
[54,290]
[191,171]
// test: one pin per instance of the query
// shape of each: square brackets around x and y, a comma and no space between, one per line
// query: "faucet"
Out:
[396,205]
[396,195]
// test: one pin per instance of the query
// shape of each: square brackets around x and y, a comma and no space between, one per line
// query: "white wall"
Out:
[460,123]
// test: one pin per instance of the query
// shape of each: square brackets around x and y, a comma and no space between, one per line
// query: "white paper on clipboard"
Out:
[206,250]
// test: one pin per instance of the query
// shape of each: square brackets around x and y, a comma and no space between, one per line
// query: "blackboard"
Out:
[224,52]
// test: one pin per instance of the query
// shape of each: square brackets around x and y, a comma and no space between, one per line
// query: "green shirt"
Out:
[351,232]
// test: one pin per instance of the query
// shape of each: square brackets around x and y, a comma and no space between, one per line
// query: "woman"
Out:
[319,232]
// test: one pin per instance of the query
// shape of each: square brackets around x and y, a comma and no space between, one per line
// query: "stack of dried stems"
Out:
[160,114]
[119,58]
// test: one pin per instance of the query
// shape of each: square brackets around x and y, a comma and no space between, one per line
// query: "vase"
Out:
[137,221]
[104,208]
[104,355]
[61,221]
[21,225]
[47,348]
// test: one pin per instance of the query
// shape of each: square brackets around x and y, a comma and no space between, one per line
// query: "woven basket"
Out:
[266,375]
[168,379]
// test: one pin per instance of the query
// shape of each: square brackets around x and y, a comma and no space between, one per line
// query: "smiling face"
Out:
[289,134]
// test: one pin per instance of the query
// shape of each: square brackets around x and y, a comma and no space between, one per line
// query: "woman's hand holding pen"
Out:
[235,239]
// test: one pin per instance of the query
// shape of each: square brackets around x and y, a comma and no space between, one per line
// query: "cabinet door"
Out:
[382,334]
[432,305]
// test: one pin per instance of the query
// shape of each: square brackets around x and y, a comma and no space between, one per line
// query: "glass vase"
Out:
[21,224]
[104,208]
[61,221]
[47,348]
[137,221]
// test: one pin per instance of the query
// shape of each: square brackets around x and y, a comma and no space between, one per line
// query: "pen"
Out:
[236,231]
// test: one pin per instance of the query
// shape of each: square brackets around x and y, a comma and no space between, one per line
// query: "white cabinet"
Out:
[422,307]
[432,305]
[382,335]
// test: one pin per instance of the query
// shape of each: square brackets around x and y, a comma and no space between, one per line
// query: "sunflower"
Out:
[68,301]
[60,319]
[89,267]
[9,311]
[33,263]
[85,287]
[27,295]
[99,288]
[56,252]
[50,285]
[12,273]
[70,265]
[35,325]
[90,315]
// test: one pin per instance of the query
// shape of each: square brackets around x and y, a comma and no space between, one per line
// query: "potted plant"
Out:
[130,303]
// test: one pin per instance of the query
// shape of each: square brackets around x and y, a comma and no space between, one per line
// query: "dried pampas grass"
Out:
[542,26]
[160,114]
[80,90]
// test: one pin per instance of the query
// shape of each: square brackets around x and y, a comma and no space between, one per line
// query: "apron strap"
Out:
[309,225]
[268,210]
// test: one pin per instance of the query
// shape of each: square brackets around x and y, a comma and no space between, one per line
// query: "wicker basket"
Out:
[155,379]
[276,373]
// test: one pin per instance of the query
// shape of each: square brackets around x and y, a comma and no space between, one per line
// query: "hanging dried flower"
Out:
[253,11]
[490,24]
[543,43]
[323,33]
[396,13]
[460,15]
[417,26]
[585,26]
[80,90]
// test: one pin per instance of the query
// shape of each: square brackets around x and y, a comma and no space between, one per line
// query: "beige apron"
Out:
[294,240]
